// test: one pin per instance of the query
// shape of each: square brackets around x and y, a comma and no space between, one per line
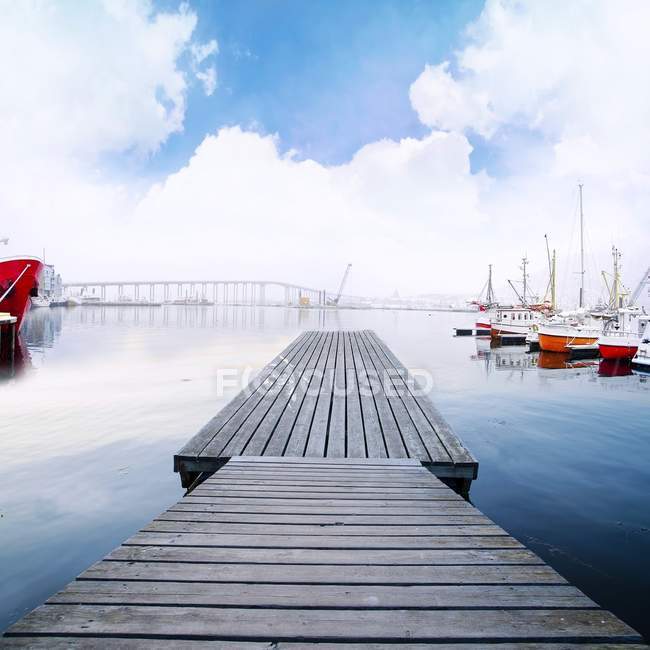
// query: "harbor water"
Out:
[100,398]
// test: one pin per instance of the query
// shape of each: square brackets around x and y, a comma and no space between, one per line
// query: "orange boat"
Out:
[559,337]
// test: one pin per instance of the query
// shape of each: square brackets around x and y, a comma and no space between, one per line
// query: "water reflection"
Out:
[518,359]
[108,394]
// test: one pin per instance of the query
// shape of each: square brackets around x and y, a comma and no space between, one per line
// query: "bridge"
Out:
[247,292]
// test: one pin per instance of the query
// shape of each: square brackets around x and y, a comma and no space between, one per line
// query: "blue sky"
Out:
[84,86]
[326,76]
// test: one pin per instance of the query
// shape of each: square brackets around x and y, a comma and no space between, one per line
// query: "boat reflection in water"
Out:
[12,365]
[562,361]
[614,368]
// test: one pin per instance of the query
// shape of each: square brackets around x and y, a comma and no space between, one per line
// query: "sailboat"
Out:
[574,332]
[486,303]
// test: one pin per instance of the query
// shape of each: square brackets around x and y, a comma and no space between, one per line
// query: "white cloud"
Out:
[562,92]
[86,78]
[201,51]
[208,78]
[559,91]
[442,102]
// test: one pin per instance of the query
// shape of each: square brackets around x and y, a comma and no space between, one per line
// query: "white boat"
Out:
[515,321]
[40,301]
[621,337]
[642,357]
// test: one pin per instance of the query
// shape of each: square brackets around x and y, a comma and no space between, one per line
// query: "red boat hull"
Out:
[617,351]
[18,281]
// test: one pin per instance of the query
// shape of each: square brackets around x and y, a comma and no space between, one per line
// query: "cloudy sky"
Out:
[282,139]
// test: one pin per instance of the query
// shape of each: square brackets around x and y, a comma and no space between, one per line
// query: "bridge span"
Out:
[246,292]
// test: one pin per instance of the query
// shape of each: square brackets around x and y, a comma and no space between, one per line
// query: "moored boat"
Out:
[519,321]
[18,283]
[40,301]
[560,337]
[642,357]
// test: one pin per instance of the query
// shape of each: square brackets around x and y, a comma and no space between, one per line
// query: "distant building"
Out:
[50,284]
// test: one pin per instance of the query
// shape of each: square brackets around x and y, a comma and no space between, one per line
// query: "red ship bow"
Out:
[18,281]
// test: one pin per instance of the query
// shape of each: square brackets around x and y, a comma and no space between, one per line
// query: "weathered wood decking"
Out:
[286,553]
[340,394]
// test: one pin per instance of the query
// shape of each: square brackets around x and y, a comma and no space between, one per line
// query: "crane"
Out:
[335,301]
[644,281]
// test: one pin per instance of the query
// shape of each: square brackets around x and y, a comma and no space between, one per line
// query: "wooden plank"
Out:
[100,642]
[196,444]
[333,487]
[405,505]
[172,522]
[268,555]
[203,505]
[300,433]
[350,494]
[448,438]
[192,537]
[328,462]
[234,436]
[331,596]
[375,445]
[318,430]
[194,513]
[368,484]
[255,623]
[336,442]
[409,409]
[324,474]
[355,435]
[324,573]
[326,492]
[407,430]
[258,439]
[392,438]
[425,557]
[283,431]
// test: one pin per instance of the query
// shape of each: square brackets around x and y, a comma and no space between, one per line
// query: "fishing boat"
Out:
[40,301]
[641,359]
[18,283]
[521,320]
[621,337]
[566,336]
[515,321]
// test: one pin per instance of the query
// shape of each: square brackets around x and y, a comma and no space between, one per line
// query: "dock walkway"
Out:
[330,394]
[286,553]
[314,519]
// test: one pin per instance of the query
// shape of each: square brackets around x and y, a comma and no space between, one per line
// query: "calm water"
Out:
[107,395]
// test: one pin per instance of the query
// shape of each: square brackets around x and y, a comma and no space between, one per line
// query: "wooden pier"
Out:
[339,553]
[315,520]
[330,395]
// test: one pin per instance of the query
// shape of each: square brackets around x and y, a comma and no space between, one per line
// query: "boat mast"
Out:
[582,251]
[553,285]
[616,284]
[551,288]
[489,294]
[524,262]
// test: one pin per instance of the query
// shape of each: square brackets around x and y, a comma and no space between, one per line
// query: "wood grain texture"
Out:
[330,395]
[397,559]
